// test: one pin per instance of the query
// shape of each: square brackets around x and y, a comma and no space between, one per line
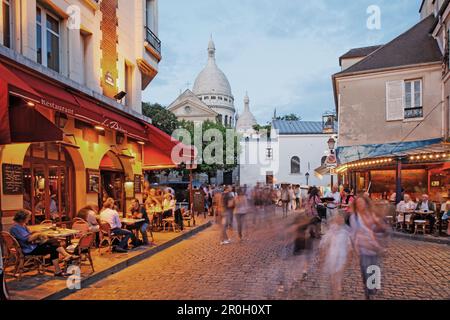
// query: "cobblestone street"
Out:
[261,268]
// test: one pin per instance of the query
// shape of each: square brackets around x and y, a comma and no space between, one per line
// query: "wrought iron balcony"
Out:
[153,40]
[413,113]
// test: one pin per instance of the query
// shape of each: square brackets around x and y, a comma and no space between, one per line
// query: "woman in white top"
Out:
[406,206]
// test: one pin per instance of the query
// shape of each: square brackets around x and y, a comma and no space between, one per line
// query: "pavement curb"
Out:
[429,239]
[127,263]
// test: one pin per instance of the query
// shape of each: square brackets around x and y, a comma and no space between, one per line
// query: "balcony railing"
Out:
[413,113]
[153,40]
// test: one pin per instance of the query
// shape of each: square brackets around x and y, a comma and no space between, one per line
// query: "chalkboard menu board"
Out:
[12,179]
[137,184]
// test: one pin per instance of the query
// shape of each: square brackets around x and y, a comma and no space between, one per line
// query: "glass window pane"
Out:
[38,15]
[40,206]
[54,192]
[408,101]
[39,43]
[408,95]
[6,24]
[295,165]
[417,94]
[52,24]
[52,51]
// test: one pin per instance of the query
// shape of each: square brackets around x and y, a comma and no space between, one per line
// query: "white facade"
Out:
[308,149]
[77,35]
[246,120]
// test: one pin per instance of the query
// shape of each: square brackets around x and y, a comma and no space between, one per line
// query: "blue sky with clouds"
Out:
[283,52]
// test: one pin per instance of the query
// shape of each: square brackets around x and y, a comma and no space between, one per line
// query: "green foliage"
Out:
[289,117]
[211,169]
[261,129]
[162,118]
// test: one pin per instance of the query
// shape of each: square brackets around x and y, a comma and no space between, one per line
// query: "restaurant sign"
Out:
[114,125]
[57,107]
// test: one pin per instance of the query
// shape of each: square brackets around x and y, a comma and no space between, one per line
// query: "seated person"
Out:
[425,205]
[168,206]
[407,205]
[88,215]
[36,244]
[54,214]
[111,216]
[139,212]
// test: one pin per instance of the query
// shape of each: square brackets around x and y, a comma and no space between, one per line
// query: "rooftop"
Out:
[298,127]
[415,46]
[359,52]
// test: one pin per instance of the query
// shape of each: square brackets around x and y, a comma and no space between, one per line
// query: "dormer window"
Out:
[213,98]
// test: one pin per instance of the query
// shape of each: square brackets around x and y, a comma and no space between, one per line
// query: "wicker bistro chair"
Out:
[170,222]
[13,256]
[106,237]
[84,250]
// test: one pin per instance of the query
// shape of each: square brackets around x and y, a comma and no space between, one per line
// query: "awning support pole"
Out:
[398,181]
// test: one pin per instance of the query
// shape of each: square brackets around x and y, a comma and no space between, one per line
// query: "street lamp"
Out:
[331,144]
[307,178]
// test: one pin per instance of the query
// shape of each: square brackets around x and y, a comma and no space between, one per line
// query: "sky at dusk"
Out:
[282,52]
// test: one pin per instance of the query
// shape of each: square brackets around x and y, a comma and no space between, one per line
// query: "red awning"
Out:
[57,96]
[158,152]
[156,159]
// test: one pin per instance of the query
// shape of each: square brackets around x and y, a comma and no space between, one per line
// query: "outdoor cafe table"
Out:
[130,221]
[58,233]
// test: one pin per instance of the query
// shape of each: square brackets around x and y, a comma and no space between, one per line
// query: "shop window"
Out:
[48,39]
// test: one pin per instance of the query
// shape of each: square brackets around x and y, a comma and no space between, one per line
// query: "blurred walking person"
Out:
[229,205]
[292,200]
[313,202]
[367,230]
[285,200]
[335,247]
[241,210]
[303,233]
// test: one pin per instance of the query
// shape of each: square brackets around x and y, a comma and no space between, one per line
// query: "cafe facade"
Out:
[417,170]
[72,131]
[62,149]
[394,118]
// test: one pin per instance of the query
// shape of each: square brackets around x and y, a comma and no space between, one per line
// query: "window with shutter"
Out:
[395,100]
[413,99]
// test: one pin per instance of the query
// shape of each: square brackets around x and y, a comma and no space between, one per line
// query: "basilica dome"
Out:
[246,120]
[212,80]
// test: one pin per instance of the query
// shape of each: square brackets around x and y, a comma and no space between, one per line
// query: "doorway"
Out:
[112,181]
[49,180]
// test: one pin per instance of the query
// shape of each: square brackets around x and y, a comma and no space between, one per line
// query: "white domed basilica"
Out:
[246,121]
[211,97]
